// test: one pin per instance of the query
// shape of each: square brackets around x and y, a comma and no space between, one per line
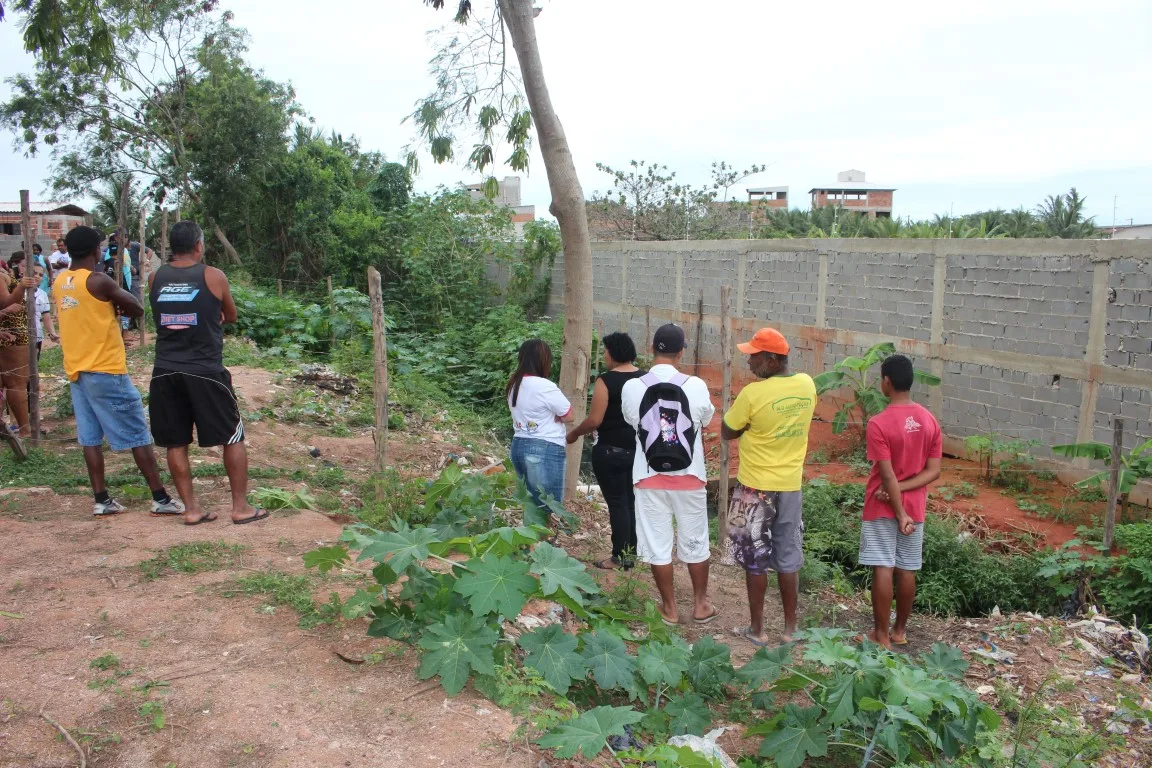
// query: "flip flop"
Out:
[261,514]
[900,642]
[207,517]
[746,633]
[602,564]
[709,618]
[669,623]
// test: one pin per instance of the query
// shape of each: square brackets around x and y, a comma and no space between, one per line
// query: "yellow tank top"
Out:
[89,328]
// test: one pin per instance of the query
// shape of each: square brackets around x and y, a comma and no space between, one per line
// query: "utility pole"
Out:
[1113,215]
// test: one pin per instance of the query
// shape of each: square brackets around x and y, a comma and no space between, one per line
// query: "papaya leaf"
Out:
[587,734]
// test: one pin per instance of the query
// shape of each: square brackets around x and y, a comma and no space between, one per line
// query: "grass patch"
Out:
[296,593]
[196,557]
[402,498]
[106,662]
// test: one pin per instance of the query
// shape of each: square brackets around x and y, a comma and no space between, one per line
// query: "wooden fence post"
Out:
[121,232]
[1113,484]
[279,287]
[647,329]
[30,309]
[163,237]
[699,333]
[725,401]
[143,278]
[380,379]
[331,317]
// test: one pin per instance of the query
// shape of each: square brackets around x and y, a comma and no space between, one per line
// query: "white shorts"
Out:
[656,509]
[882,544]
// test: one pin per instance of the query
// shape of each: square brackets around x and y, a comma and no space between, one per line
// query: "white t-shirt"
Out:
[58,257]
[538,406]
[42,306]
[700,400]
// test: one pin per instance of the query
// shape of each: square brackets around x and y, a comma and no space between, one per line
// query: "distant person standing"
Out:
[190,387]
[539,413]
[43,315]
[669,411]
[60,258]
[17,287]
[39,260]
[107,404]
[615,449]
[905,446]
[771,418]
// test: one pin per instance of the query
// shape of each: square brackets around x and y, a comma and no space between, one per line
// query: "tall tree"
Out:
[123,109]
[478,89]
[1063,216]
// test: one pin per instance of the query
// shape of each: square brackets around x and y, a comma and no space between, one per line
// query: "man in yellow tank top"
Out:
[107,404]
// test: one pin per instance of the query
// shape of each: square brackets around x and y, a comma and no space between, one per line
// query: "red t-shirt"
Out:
[907,435]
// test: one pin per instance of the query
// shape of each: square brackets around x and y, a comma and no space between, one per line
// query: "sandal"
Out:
[709,618]
[608,564]
[260,514]
[746,633]
[207,517]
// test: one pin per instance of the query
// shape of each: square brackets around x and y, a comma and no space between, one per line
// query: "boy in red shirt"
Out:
[904,446]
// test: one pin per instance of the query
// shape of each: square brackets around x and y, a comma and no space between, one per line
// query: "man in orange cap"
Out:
[771,418]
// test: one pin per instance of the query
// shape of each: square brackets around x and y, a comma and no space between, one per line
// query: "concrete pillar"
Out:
[1094,354]
[936,364]
[741,270]
[678,311]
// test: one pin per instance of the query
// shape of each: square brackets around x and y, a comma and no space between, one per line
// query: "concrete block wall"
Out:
[1043,340]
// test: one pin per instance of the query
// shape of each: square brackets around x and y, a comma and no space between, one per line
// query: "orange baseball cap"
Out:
[766,340]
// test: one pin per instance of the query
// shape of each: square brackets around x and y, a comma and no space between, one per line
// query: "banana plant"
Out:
[856,374]
[1134,466]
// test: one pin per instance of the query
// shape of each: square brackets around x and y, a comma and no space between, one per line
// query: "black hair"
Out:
[184,237]
[535,359]
[36,247]
[898,370]
[620,346]
[15,258]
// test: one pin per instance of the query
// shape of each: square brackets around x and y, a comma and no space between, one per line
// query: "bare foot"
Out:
[899,638]
[709,613]
[669,618]
[193,514]
[885,642]
[244,513]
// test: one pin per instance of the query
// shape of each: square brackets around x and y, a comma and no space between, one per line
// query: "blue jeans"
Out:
[540,464]
[108,405]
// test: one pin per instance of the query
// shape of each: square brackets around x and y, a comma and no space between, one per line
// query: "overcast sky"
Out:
[973,105]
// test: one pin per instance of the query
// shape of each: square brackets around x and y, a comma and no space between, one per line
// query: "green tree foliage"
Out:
[856,374]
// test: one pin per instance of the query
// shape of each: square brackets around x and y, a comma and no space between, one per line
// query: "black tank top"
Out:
[189,332]
[613,429]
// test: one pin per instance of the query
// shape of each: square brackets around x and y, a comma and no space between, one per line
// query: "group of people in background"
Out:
[649,462]
[190,390]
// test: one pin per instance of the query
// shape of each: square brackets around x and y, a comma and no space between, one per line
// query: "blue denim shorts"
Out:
[108,406]
[540,464]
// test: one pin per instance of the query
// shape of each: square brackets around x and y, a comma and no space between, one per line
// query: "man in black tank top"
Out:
[190,385]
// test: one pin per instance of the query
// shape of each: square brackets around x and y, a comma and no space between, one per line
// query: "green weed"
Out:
[275,499]
[105,662]
[195,557]
[294,592]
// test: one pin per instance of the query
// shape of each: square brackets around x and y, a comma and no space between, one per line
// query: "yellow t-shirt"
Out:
[89,328]
[777,412]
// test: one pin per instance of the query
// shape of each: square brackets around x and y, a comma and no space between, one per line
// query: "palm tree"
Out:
[1063,216]
[106,210]
[1019,223]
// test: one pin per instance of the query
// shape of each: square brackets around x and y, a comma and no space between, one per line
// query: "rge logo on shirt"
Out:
[178,292]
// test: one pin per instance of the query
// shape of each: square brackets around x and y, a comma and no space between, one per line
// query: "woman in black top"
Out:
[615,447]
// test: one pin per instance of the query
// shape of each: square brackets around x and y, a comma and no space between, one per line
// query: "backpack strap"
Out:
[680,379]
[649,379]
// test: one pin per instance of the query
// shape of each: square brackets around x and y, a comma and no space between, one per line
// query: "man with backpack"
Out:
[669,411]
[771,418]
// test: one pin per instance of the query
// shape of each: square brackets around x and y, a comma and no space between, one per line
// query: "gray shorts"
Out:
[882,544]
[766,530]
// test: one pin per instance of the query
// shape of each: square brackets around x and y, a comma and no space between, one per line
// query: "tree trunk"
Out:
[229,250]
[568,208]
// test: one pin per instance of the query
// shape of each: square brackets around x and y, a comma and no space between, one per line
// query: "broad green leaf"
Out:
[1097,451]
[384,574]
[449,478]
[608,658]
[360,604]
[552,653]
[400,548]
[868,704]
[796,682]
[688,713]
[559,571]
[454,649]
[663,662]
[832,652]
[828,381]
[799,736]
[853,363]
[504,541]
[395,621]
[911,688]
[903,715]
[710,666]
[840,420]
[766,665]
[496,585]
[988,717]
[926,378]
[944,661]
[839,701]
[588,733]
[325,559]
[668,756]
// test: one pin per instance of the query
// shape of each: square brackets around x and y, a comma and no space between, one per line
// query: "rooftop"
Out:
[66,209]
[765,190]
[852,186]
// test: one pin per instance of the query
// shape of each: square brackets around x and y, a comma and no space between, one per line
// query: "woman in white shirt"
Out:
[539,413]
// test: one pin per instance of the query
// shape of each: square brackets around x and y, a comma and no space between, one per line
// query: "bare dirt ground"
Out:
[238,681]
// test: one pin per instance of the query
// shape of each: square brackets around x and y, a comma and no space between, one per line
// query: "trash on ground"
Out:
[706,745]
